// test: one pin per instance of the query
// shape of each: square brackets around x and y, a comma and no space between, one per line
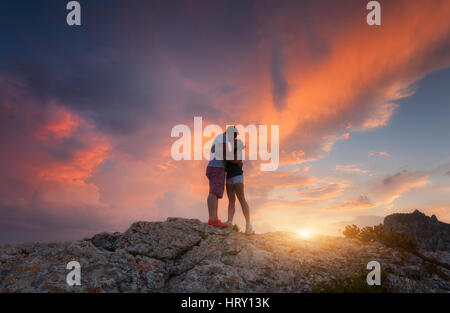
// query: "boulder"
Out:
[430,234]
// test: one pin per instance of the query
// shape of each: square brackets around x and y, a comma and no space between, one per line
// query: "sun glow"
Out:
[305,234]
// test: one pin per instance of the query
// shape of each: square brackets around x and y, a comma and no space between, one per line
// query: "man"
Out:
[215,172]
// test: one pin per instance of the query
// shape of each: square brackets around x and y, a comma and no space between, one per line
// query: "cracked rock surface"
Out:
[186,255]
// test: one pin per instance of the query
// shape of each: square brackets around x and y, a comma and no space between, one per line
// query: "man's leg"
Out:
[213,203]
[231,202]
[216,178]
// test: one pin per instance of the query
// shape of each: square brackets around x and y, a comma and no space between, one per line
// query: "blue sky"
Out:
[415,136]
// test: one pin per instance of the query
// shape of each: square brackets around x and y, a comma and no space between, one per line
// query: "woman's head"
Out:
[239,144]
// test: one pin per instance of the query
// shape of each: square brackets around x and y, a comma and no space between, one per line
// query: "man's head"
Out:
[231,133]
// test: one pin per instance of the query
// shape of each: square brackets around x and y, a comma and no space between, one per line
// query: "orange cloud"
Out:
[380,153]
[360,203]
[326,192]
[393,186]
[60,124]
[382,192]
[344,136]
[350,169]
[49,159]
[306,169]
[358,82]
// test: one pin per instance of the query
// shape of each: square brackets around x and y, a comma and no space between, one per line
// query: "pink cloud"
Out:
[351,168]
[380,153]
[326,192]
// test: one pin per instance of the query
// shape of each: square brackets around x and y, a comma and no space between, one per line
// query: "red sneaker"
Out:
[217,223]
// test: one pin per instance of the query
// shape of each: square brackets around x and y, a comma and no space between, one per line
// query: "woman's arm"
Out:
[234,160]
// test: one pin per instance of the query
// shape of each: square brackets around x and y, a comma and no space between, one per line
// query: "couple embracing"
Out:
[227,167]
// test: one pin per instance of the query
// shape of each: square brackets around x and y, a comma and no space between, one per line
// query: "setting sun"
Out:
[304,233]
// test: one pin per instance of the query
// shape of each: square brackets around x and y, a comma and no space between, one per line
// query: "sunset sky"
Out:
[86,111]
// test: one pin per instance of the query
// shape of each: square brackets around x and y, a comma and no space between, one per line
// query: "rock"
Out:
[186,255]
[105,240]
[430,234]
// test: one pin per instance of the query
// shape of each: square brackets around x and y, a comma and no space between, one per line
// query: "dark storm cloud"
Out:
[393,178]
[200,105]
[364,199]
[109,92]
[114,69]
[21,120]
[66,149]
[280,85]
[226,89]
[40,221]
[208,39]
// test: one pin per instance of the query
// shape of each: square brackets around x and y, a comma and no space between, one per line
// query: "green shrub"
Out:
[378,233]
[351,231]
[396,240]
[367,234]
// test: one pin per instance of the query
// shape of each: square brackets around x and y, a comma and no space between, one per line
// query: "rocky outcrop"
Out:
[182,255]
[430,234]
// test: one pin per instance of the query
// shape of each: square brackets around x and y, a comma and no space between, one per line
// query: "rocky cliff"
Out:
[428,232]
[182,255]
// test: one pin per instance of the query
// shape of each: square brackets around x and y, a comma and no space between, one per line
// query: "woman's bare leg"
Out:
[231,202]
[239,191]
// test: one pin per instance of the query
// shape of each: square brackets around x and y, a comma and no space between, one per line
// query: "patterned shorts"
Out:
[216,176]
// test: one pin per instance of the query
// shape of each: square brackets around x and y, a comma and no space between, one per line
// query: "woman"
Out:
[235,187]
